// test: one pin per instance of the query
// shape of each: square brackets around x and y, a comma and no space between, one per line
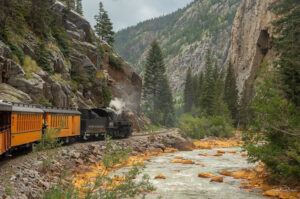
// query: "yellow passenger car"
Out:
[65,121]
[26,124]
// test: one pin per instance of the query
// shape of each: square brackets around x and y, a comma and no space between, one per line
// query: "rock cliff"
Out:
[252,37]
[76,80]
[185,36]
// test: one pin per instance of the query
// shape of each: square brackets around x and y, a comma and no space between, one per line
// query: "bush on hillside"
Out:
[116,63]
[199,128]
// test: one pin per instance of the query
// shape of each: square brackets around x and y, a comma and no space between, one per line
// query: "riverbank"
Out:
[28,176]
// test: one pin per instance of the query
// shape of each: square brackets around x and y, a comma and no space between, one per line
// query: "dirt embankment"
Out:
[30,175]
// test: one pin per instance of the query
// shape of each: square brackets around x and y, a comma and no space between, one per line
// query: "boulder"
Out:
[217,179]
[60,98]
[183,144]
[75,22]
[160,176]
[206,175]
[12,94]
[272,193]
[183,161]
[33,86]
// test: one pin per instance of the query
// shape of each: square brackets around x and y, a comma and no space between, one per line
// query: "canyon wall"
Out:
[252,42]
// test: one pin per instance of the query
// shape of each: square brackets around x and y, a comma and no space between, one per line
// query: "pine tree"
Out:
[288,44]
[40,17]
[208,87]
[231,92]
[104,27]
[157,96]
[188,92]
[70,4]
[98,27]
[79,7]
[165,102]
[107,29]
[199,91]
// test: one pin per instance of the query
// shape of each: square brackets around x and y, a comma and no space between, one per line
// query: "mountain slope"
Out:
[185,36]
[54,58]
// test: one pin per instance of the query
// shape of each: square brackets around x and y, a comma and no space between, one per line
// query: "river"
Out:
[182,181]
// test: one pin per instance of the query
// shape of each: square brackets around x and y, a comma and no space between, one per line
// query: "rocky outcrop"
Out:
[77,78]
[252,36]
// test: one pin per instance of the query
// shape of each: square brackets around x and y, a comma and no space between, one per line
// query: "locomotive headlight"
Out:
[111,124]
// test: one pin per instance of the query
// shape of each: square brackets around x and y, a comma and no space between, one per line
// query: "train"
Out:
[23,125]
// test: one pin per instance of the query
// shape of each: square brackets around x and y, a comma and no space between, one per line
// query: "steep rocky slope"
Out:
[76,80]
[185,37]
[252,40]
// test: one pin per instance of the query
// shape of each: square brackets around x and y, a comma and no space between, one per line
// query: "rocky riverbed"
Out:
[214,166]
[30,175]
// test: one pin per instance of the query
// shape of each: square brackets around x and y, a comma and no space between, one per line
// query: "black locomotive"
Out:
[102,121]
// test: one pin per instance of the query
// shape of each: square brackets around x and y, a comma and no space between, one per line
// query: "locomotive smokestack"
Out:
[117,105]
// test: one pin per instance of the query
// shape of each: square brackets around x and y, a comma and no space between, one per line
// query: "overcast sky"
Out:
[124,13]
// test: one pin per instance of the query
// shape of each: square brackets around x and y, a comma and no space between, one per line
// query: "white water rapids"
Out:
[187,185]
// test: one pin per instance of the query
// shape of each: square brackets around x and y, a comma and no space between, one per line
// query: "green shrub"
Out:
[43,58]
[116,63]
[30,66]
[198,128]
[100,50]
[49,140]
[43,101]
[17,51]
[106,94]
[8,191]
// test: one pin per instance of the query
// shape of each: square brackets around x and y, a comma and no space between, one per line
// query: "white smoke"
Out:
[117,105]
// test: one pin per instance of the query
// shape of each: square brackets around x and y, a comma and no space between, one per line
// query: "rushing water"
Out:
[186,184]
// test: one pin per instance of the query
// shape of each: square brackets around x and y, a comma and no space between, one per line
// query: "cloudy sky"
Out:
[124,13]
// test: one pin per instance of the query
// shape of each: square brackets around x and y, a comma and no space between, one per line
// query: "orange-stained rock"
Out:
[183,161]
[200,164]
[284,195]
[271,193]
[170,150]
[221,151]
[210,144]
[217,179]
[259,169]
[154,153]
[244,154]
[232,151]
[218,154]
[118,178]
[206,175]
[226,173]
[203,154]
[160,176]
[179,157]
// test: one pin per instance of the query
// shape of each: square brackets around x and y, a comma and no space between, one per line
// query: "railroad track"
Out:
[152,133]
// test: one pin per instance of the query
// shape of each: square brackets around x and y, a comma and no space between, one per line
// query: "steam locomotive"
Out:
[23,125]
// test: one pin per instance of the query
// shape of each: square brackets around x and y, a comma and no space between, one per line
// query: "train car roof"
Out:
[4,106]
[61,110]
[25,108]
